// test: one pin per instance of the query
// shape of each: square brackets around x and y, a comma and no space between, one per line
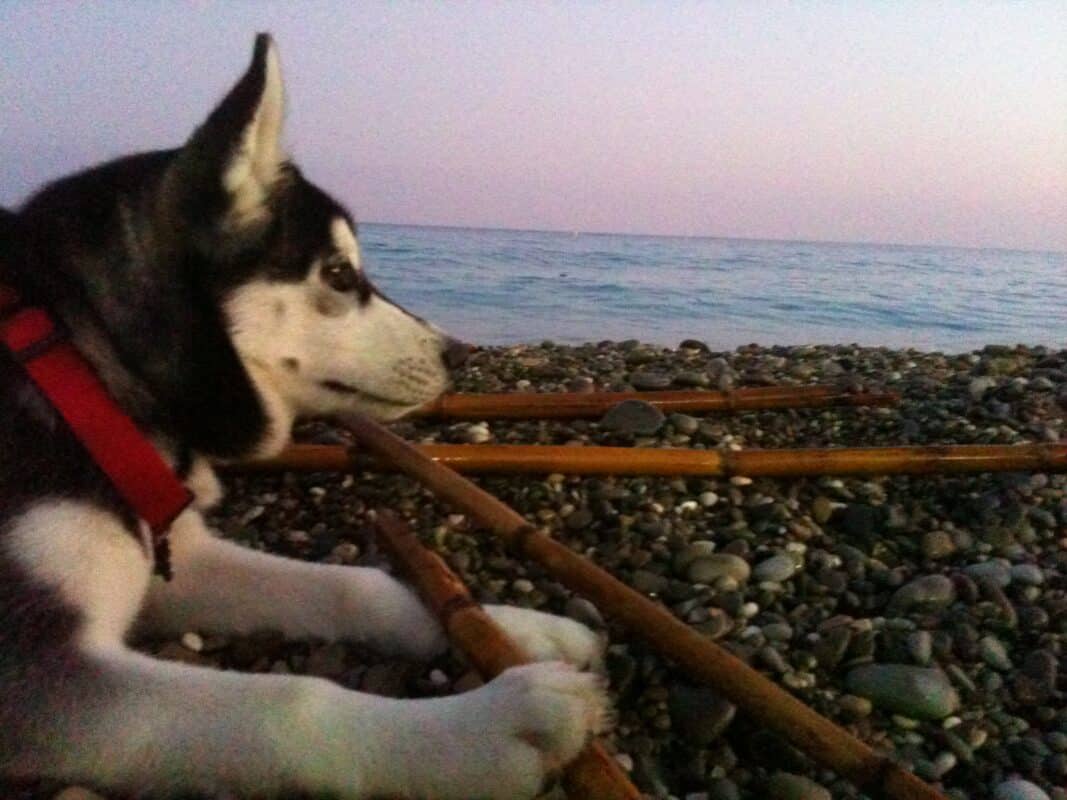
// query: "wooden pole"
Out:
[704,660]
[574,405]
[542,459]
[593,775]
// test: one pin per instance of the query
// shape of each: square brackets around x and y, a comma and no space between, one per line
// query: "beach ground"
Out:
[927,614]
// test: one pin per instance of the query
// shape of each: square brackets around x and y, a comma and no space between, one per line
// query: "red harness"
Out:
[113,441]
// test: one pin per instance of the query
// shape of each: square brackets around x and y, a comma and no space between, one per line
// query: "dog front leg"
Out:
[125,722]
[221,587]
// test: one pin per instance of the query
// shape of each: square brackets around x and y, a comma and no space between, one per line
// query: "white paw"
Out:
[512,734]
[546,637]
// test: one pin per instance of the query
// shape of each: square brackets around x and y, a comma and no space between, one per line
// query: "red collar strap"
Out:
[123,453]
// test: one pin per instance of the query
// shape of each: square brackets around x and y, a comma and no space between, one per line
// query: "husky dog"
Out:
[219,295]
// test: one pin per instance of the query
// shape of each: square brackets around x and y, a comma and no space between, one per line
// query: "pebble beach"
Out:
[928,614]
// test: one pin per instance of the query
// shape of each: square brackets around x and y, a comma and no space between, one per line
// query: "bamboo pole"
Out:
[574,405]
[701,658]
[541,459]
[593,775]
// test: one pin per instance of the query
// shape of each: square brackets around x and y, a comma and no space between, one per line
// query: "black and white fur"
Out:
[220,295]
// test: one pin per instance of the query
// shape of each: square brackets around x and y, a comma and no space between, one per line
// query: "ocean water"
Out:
[503,286]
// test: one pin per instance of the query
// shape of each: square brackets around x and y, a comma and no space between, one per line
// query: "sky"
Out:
[906,122]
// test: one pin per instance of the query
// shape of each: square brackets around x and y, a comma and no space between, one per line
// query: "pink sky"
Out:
[895,122]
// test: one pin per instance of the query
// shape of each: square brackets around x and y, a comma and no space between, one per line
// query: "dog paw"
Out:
[547,637]
[515,732]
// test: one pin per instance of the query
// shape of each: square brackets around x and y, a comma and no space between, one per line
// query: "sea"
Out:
[511,286]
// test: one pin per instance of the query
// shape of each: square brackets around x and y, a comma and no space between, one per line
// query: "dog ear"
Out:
[228,168]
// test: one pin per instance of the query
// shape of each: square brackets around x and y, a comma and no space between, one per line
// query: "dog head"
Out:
[314,333]
[219,292]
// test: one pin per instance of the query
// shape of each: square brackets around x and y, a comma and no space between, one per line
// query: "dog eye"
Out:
[340,276]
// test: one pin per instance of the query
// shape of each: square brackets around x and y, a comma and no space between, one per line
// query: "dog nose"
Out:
[455,353]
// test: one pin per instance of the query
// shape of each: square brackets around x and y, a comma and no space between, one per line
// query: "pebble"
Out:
[997,570]
[683,423]
[633,417]
[710,568]
[708,499]
[700,713]
[978,387]
[1018,789]
[787,786]
[927,593]
[581,610]
[917,692]
[937,545]
[648,582]
[994,653]
[778,568]
[192,641]
[651,381]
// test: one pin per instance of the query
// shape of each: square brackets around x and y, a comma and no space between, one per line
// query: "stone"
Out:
[777,568]
[978,387]
[633,417]
[994,653]
[581,610]
[1018,789]
[916,692]
[651,381]
[937,545]
[787,786]
[822,508]
[708,569]
[683,423]
[648,582]
[699,713]
[996,570]
[926,593]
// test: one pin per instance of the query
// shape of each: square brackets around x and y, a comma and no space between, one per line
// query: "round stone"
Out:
[709,569]
[1019,789]
[916,692]
[926,593]
[651,381]
[633,417]
[777,568]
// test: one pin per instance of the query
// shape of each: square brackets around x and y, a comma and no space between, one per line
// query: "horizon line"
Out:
[506,229]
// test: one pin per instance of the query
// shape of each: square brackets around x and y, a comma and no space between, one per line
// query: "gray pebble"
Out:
[634,417]
[1018,789]
[926,593]
[651,381]
[778,568]
[916,692]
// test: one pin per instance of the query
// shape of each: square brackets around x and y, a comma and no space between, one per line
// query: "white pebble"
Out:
[708,499]
[192,641]
[438,678]
[740,480]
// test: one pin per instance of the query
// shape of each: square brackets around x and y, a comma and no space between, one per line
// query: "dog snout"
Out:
[455,353]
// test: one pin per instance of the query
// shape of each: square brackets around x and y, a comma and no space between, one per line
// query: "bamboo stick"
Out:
[593,775]
[541,459]
[760,697]
[574,405]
